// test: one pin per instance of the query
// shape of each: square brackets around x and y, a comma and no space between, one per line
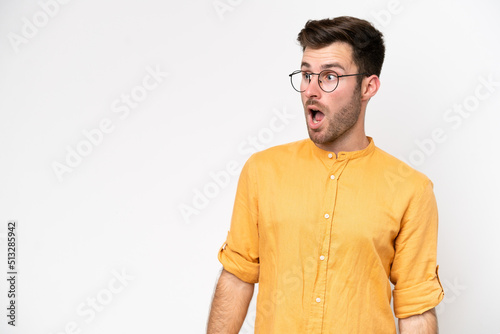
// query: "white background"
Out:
[119,209]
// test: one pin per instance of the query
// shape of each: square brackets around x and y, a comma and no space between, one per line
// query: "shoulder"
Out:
[277,159]
[279,152]
[398,173]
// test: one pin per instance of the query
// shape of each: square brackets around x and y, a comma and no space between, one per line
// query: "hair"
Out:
[368,49]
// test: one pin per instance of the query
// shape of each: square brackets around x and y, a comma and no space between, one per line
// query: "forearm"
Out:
[230,304]
[425,323]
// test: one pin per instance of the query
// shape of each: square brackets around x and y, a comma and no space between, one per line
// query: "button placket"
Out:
[319,290]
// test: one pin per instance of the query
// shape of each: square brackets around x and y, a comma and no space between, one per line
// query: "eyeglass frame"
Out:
[319,83]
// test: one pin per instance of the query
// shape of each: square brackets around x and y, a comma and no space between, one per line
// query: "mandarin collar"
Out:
[328,156]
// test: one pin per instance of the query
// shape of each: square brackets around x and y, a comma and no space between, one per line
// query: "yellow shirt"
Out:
[323,235]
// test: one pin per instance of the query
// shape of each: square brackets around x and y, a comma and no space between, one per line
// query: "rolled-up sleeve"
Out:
[239,254]
[414,273]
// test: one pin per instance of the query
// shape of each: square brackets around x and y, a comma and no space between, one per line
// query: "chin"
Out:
[317,137]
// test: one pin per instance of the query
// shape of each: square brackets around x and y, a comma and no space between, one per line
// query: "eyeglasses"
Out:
[328,80]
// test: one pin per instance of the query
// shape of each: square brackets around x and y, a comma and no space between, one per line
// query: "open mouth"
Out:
[317,116]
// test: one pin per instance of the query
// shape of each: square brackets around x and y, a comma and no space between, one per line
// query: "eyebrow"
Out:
[324,66]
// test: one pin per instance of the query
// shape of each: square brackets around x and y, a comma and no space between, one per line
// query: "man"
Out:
[325,224]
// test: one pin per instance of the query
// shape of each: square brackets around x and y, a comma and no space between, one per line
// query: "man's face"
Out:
[331,116]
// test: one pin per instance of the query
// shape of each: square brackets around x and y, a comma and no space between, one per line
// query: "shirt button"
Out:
[318,300]
[332,177]
[330,155]
[327,215]
[321,257]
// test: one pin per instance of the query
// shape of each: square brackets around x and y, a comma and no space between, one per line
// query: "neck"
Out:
[354,139]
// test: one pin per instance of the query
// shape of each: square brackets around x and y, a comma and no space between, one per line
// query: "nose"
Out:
[313,89]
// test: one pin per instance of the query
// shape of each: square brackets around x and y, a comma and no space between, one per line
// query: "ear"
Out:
[369,87]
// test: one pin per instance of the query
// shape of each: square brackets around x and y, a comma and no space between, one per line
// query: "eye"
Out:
[330,76]
[306,75]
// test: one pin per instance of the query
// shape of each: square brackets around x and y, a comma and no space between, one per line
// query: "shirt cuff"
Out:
[237,265]
[419,298]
